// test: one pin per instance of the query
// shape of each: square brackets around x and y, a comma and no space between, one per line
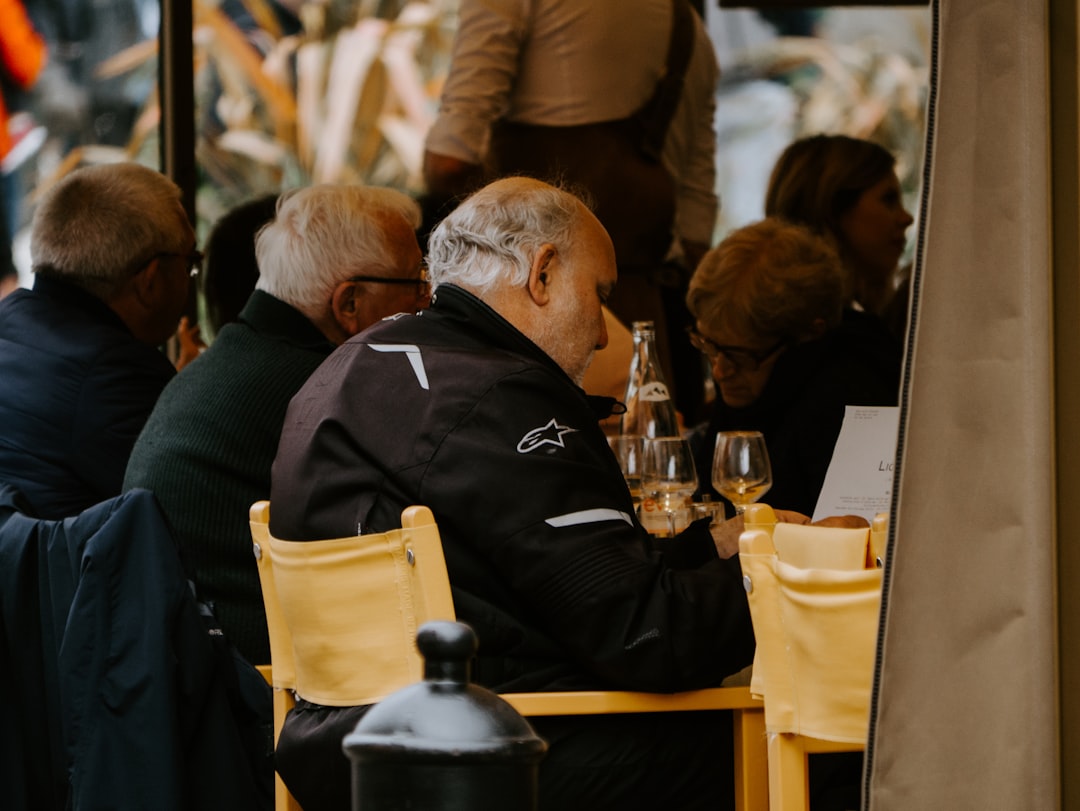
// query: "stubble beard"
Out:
[560,344]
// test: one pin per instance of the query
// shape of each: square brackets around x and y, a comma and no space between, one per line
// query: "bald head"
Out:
[538,257]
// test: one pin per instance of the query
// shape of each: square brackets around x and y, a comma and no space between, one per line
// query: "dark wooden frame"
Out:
[774,4]
[176,90]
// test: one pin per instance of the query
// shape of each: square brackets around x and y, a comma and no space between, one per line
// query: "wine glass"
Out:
[628,449]
[668,475]
[741,472]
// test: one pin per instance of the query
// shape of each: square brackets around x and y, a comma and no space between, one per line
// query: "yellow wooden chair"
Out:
[343,615]
[814,597]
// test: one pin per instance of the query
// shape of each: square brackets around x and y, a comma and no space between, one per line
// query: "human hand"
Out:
[725,535]
[190,341]
[447,177]
[9,283]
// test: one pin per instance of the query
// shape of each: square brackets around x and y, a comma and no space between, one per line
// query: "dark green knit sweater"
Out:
[208,447]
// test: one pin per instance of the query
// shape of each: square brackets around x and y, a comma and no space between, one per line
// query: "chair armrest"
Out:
[751,776]
[599,702]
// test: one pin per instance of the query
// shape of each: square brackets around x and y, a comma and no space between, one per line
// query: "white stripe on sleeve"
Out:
[595,516]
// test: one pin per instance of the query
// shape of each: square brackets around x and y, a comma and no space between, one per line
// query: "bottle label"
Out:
[654,392]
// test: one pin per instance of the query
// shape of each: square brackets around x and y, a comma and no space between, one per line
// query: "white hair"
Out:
[490,239]
[322,235]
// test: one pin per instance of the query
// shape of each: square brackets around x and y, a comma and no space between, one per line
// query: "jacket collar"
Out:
[272,317]
[472,315]
[72,295]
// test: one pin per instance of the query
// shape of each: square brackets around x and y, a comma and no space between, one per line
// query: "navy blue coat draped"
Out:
[119,688]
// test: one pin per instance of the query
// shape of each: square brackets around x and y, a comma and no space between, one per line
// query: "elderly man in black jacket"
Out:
[477,413]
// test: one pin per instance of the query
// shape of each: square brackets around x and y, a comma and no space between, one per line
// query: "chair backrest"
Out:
[759,516]
[351,607]
[815,547]
[816,630]
[362,675]
[283,673]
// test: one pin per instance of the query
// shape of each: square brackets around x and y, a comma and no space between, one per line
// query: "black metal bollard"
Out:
[444,744]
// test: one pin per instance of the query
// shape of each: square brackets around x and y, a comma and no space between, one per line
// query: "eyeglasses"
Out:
[194,260]
[422,284]
[741,357]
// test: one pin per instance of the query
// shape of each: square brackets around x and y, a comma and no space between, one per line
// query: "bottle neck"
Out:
[644,354]
[644,342]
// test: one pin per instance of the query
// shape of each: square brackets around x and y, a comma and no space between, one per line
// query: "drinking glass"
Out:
[741,472]
[628,449]
[668,476]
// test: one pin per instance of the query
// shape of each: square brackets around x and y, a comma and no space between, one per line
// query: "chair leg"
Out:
[751,760]
[284,700]
[789,783]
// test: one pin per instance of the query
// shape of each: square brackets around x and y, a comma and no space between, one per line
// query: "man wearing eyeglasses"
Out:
[112,253]
[333,260]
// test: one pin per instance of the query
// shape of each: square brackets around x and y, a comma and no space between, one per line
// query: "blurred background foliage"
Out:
[292,92]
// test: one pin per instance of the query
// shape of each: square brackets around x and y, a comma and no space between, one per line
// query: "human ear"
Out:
[146,283]
[346,309]
[540,273]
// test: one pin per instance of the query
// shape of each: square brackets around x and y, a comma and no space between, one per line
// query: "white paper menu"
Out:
[859,480]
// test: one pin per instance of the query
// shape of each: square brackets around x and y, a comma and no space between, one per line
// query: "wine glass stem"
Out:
[671,523]
[739,508]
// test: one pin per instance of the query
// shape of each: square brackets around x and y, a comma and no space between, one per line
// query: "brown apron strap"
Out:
[656,114]
[633,197]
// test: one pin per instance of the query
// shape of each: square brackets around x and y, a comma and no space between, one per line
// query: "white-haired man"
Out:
[334,260]
[477,414]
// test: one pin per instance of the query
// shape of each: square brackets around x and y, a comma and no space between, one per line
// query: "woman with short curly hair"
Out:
[768,305]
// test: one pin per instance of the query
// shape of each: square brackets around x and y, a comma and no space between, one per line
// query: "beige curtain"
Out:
[965,709]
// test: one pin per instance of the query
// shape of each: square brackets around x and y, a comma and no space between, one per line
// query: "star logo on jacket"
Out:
[550,434]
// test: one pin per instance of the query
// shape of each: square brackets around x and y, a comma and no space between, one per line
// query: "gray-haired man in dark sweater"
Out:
[334,260]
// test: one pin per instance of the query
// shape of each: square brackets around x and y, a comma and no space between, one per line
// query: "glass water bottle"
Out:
[650,411]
